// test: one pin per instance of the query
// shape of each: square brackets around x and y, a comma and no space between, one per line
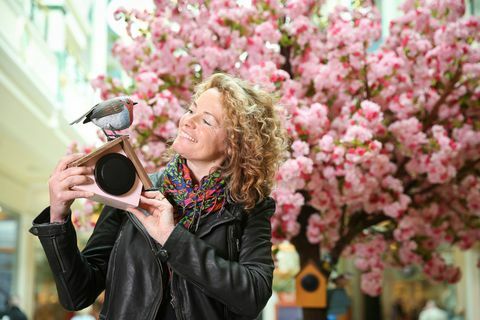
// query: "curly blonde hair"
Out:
[256,140]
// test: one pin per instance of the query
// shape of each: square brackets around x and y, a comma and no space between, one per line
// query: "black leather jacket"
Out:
[224,271]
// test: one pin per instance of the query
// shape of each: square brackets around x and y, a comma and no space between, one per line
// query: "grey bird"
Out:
[112,114]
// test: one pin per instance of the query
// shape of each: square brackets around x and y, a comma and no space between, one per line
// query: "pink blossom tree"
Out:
[384,161]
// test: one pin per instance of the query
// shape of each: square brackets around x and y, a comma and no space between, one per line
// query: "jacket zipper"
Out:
[62,267]
[175,304]
[57,254]
[231,233]
[113,268]
[232,243]
[152,247]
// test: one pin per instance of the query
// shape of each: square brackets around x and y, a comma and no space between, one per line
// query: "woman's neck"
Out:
[200,169]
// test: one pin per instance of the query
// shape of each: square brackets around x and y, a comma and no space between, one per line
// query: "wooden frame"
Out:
[124,201]
[129,151]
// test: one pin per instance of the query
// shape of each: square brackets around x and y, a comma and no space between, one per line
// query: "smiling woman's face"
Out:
[201,135]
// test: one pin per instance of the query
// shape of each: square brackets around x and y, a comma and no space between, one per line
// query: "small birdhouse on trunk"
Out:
[118,174]
[311,287]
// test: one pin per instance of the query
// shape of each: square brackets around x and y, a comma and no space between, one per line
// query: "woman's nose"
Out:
[190,121]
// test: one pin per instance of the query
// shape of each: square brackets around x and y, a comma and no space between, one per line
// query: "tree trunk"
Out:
[373,308]
[307,252]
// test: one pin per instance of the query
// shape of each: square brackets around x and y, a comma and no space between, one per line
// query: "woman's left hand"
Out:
[160,222]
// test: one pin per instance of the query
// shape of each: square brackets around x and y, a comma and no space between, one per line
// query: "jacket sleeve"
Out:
[244,286]
[79,276]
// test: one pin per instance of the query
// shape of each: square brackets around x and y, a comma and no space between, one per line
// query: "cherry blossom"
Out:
[385,147]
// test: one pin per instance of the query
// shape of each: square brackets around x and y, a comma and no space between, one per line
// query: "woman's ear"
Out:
[229,152]
[228,148]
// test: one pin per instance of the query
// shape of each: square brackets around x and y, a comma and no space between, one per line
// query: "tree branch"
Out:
[465,82]
[366,220]
[365,68]
[468,167]
[427,189]
[436,107]
[285,51]
[342,220]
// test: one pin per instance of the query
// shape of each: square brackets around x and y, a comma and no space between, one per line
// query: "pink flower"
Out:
[268,31]
[357,133]
[300,148]
[315,229]
[371,282]
[148,83]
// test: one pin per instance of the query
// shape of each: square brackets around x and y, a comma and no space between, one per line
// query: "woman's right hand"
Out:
[60,186]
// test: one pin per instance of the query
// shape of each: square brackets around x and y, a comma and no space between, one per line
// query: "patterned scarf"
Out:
[193,200]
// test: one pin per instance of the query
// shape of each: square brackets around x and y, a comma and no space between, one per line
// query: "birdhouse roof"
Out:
[129,151]
[310,267]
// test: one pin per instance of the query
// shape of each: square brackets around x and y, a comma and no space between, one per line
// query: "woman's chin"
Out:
[181,148]
[177,147]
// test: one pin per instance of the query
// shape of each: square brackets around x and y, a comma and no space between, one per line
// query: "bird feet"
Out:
[113,135]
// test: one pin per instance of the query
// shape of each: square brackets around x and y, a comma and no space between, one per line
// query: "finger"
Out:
[158,200]
[75,171]
[147,207]
[77,194]
[151,202]
[75,181]
[152,208]
[144,211]
[139,214]
[62,164]
[153,194]
[82,194]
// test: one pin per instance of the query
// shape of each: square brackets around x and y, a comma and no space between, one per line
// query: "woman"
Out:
[198,249]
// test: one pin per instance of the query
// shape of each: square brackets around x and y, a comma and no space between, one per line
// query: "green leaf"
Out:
[476,125]
[285,40]
[457,123]
[331,100]
[434,146]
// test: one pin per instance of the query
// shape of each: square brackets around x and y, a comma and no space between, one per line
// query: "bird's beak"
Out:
[135,103]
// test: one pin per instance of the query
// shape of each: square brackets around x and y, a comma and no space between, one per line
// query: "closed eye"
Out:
[207,122]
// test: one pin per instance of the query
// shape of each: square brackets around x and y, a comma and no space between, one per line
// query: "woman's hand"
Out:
[60,183]
[160,222]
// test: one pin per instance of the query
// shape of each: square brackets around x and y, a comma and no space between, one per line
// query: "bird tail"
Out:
[78,120]
[86,116]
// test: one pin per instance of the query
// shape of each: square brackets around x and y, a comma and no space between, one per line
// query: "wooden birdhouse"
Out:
[118,174]
[311,287]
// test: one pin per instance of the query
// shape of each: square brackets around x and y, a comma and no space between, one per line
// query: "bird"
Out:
[112,114]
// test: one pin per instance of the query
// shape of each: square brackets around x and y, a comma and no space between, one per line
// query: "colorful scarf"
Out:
[194,201]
